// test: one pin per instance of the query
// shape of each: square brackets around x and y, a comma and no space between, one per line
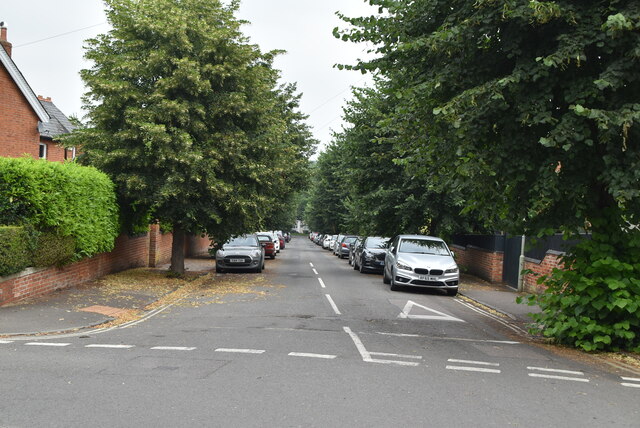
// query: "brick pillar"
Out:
[154,231]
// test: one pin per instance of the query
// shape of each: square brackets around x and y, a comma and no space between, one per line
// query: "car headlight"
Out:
[219,254]
[452,270]
[402,266]
[256,254]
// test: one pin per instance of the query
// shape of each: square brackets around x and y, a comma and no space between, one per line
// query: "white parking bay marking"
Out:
[630,385]
[544,369]
[309,355]
[630,379]
[574,379]
[333,304]
[439,316]
[366,355]
[174,348]
[386,354]
[321,283]
[241,351]
[98,345]
[473,369]
[5,342]
[481,363]
[59,345]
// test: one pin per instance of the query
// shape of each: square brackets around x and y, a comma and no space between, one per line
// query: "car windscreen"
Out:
[376,242]
[350,239]
[264,238]
[423,246]
[242,241]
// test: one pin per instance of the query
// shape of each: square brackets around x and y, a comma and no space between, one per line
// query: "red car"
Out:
[282,241]
[268,245]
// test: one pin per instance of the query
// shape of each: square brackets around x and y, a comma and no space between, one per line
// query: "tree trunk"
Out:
[177,251]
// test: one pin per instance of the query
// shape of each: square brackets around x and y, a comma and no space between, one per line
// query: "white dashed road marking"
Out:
[473,369]
[174,348]
[310,264]
[333,304]
[53,344]
[481,363]
[315,271]
[321,283]
[98,345]
[544,369]
[385,354]
[5,342]
[630,379]
[305,354]
[556,377]
[241,351]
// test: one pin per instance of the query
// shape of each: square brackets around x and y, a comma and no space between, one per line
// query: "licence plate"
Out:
[236,260]
[428,278]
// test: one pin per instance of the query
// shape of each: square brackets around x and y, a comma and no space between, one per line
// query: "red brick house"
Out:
[28,124]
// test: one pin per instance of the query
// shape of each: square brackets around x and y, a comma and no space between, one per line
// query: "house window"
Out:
[43,151]
[70,153]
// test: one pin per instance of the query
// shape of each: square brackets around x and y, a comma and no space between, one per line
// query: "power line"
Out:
[59,35]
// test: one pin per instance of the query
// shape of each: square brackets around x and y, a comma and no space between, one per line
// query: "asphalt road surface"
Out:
[321,346]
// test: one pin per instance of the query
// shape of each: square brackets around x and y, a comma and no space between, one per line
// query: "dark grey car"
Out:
[344,246]
[370,254]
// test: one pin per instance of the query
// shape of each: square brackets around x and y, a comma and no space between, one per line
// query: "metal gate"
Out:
[511,261]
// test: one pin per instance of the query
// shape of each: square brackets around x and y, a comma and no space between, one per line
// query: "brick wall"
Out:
[483,263]
[540,267]
[129,252]
[18,122]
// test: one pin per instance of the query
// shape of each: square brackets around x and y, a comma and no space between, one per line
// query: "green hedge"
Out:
[52,249]
[66,199]
[15,254]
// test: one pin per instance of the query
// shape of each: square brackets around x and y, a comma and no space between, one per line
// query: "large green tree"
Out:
[531,109]
[187,118]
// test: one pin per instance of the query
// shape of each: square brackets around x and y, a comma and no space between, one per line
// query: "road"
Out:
[323,346]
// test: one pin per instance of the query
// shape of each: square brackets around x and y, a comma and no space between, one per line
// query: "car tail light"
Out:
[344,245]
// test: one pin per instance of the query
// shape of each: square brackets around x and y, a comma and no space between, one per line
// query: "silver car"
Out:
[242,253]
[421,261]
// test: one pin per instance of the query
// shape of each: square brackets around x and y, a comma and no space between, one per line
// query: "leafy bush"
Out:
[594,304]
[14,251]
[66,198]
[52,249]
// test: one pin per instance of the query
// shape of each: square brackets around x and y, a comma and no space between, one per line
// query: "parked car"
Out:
[352,249]
[326,243]
[269,246]
[281,239]
[274,238]
[370,254]
[343,247]
[421,261]
[242,253]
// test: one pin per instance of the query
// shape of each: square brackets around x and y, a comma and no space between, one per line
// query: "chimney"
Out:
[47,99]
[3,39]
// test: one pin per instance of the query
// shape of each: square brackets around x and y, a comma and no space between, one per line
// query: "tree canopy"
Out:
[187,117]
[524,114]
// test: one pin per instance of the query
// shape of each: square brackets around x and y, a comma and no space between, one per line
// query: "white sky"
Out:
[51,60]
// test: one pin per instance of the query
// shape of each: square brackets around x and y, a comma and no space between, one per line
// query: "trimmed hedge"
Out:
[66,199]
[53,250]
[15,254]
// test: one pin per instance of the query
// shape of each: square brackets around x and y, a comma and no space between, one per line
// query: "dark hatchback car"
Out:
[370,254]
[343,247]
[268,245]
[242,253]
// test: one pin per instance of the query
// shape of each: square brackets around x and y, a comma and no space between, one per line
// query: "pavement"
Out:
[93,304]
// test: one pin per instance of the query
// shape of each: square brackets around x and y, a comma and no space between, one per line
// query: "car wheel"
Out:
[452,291]
[355,264]
[219,270]
[385,278]
[273,256]
[394,286]
[362,268]
[259,269]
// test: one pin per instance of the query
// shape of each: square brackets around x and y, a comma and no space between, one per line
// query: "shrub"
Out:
[14,251]
[53,250]
[68,199]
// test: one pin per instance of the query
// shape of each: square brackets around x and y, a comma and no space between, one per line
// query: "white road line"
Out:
[632,379]
[544,369]
[315,271]
[305,354]
[473,369]
[310,264]
[333,304]
[321,283]
[385,354]
[241,351]
[398,334]
[575,379]
[5,342]
[99,345]
[631,385]
[60,345]
[481,363]
[493,317]
[174,348]
[366,355]
[461,339]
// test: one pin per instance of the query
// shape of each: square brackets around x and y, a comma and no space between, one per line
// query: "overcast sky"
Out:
[48,35]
